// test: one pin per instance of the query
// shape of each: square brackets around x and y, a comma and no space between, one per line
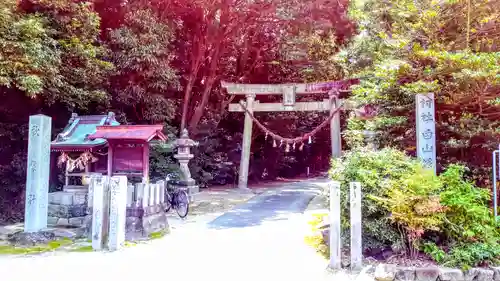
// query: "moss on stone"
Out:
[158,234]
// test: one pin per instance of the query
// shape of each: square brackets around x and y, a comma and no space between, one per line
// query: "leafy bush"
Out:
[414,204]
[472,234]
[375,170]
[316,240]
[445,216]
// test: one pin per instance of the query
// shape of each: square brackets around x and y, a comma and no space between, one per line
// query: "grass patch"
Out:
[50,246]
[83,249]
[129,244]
[315,239]
[158,234]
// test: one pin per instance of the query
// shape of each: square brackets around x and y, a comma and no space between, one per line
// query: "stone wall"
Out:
[145,211]
[389,272]
[67,208]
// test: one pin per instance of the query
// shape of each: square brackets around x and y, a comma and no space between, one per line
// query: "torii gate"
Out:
[288,91]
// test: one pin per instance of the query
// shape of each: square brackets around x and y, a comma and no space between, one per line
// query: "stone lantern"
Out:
[368,112]
[183,145]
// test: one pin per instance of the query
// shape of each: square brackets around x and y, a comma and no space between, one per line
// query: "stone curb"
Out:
[390,272]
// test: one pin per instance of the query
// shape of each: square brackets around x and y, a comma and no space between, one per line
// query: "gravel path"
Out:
[262,239]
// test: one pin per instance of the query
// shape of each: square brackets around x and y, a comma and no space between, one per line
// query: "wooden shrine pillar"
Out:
[145,163]
[110,159]
[246,144]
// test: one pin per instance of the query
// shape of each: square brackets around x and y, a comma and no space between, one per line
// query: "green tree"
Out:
[447,47]
[144,78]
[28,53]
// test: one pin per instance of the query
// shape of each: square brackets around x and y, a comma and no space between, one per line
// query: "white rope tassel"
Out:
[310,140]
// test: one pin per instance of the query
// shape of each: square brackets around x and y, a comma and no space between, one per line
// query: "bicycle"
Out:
[176,198]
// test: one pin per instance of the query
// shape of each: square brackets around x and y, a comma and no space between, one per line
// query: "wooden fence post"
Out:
[356,231]
[335,231]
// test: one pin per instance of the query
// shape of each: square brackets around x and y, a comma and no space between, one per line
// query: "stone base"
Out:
[31,238]
[67,208]
[142,222]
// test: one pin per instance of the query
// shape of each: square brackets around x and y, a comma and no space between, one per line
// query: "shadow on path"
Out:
[274,205]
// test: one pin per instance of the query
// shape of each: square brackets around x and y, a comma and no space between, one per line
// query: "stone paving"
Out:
[262,239]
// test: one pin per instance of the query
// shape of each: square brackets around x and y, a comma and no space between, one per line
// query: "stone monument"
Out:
[426,130]
[117,212]
[38,169]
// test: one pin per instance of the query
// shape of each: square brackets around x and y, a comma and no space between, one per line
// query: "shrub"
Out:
[414,204]
[376,171]
[472,234]
[446,216]
[315,239]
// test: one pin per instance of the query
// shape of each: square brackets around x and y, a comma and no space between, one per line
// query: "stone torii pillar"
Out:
[246,144]
[288,91]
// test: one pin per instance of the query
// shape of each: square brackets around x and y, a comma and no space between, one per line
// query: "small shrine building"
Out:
[99,144]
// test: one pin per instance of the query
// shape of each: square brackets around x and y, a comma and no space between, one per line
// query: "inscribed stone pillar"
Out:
[98,187]
[335,230]
[38,170]
[356,227]
[117,212]
[336,139]
[426,130]
[247,142]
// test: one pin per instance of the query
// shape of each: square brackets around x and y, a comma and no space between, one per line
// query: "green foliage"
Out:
[79,76]
[403,202]
[376,171]
[315,239]
[414,204]
[469,217]
[28,53]
[471,231]
[142,56]
[407,47]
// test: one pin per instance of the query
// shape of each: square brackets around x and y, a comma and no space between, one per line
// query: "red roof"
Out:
[129,132]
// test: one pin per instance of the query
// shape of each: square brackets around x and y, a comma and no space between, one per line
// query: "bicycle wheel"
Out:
[181,203]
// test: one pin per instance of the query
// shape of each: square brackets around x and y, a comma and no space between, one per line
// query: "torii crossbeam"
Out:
[289,91]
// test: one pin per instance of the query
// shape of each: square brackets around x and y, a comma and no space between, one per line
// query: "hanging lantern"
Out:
[293,147]
[287,149]
[281,143]
[274,143]
[266,136]
[301,146]
[310,140]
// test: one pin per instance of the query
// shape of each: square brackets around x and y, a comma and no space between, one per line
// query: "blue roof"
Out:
[75,134]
